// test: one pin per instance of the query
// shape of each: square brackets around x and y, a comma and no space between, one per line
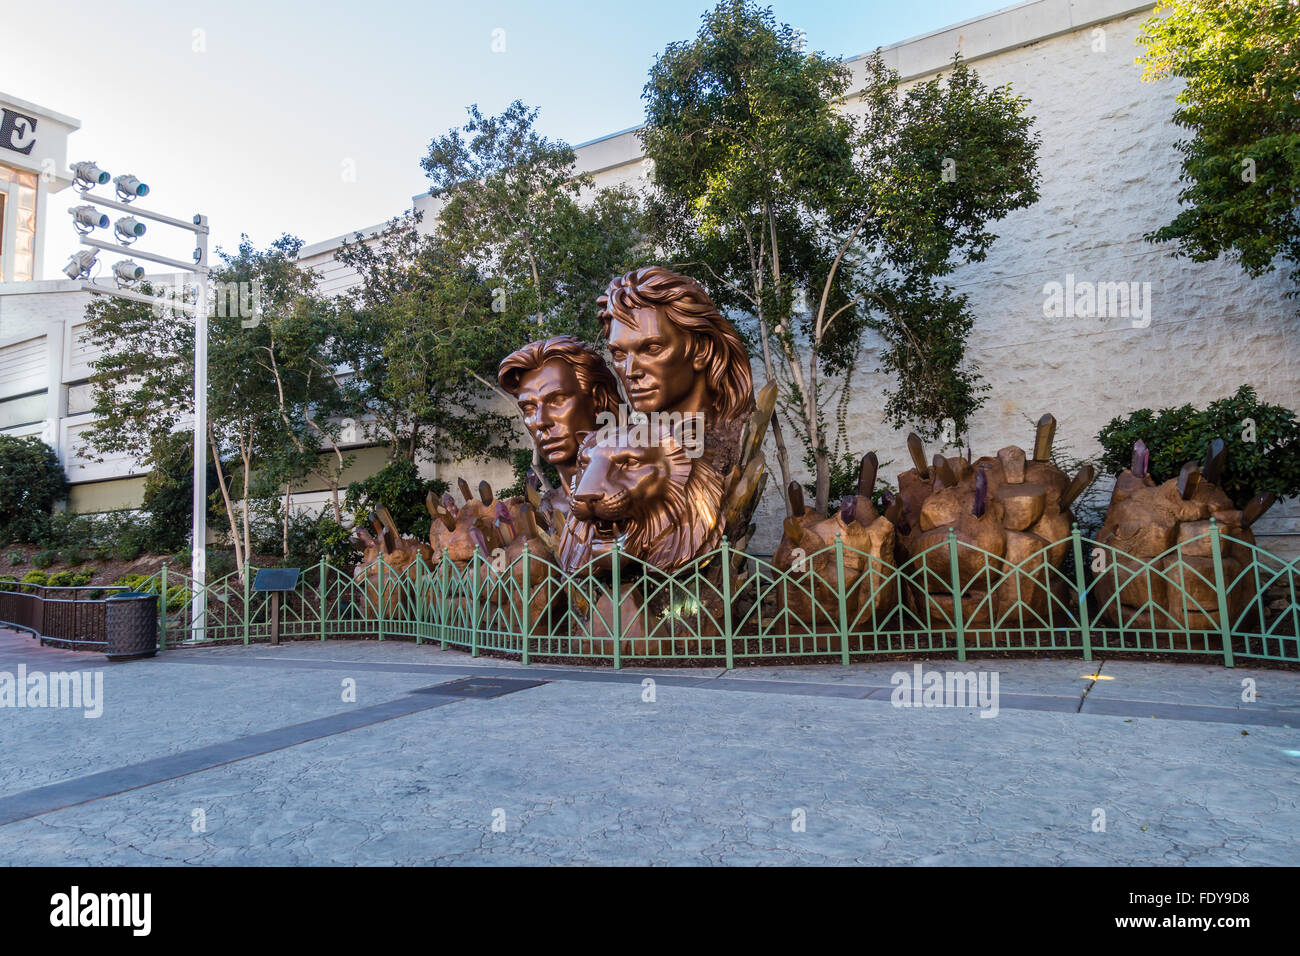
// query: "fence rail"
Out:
[1208,595]
[76,616]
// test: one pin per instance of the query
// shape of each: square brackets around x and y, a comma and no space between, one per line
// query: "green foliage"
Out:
[36,577]
[820,224]
[511,212]
[43,559]
[168,494]
[178,596]
[1175,436]
[521,459]
[398,487]
[72,556]
[31,483]
[70,579]
[16,557]
[1241,106]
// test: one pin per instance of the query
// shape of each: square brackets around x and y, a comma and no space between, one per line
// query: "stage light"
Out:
[88,175]
[128,229]
[86,218]
[80,264]
[128,271]
[129,187]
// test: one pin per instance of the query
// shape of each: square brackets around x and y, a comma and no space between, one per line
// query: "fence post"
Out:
[381,601]
[957,612]
[248,580]
[843,599]
[618,607]
[473,616]
[442,598]
[523,617]
[1081,586]
[417,599]
[324,596]
[162,608]
[1225,627]
[726,601]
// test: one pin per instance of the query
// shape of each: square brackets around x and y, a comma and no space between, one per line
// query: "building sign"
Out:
[17,131]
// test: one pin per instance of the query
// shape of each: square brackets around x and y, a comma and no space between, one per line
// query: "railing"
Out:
[75,616]
[1208,595]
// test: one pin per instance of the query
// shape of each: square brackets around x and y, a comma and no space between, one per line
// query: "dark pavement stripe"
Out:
[95,786]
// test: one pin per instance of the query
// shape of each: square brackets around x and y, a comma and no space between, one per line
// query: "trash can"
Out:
[131,625]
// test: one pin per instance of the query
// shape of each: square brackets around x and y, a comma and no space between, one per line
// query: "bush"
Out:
[399,487]
[43,559]
[70,579]
[1263,443]
[72,556]
[31,483]
[35,577]
[17,557]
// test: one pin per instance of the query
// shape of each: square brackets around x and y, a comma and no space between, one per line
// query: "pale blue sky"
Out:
[255,129]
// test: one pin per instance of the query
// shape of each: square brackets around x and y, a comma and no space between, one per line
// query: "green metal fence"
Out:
[1208,595]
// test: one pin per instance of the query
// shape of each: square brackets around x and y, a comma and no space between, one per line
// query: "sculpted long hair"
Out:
[589,368]
[685,304]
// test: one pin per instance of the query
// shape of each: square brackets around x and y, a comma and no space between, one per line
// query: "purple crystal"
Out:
[981,493]
[1141,459]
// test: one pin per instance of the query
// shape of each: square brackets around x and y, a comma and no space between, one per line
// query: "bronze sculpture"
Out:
[1166,525]
[563,388]
[807,555]
[1008,510]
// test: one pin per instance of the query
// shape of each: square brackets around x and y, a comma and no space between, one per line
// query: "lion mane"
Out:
[665,532]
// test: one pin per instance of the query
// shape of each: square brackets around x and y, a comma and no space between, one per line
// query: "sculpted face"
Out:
[557,412]
[663,506]
[657,365]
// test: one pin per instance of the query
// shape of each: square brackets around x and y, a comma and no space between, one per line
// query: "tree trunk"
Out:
[230,508]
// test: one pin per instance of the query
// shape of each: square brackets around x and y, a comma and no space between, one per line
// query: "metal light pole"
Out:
[89,176]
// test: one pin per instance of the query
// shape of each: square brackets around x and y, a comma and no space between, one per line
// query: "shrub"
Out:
[399,487]
[31,483]
[35,577]
[17,557]
[70,579]
[72,556]
[1263,443]
[43,559]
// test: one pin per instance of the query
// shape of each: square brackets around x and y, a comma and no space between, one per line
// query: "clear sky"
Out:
[255,113]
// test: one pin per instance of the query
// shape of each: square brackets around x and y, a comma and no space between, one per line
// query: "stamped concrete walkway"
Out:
[353,752]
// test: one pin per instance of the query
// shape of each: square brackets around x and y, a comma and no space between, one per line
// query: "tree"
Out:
[818,225]
[515,209]
[1241,105]
[31,484]
[263,401]
[419,338]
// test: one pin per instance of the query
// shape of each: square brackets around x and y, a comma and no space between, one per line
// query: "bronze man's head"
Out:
[561,386]
[672,348]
